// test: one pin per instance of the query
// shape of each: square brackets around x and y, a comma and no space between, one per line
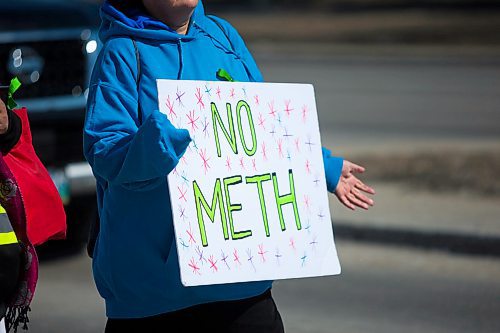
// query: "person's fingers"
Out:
[363,197]
[352,198]
[365,188]
[346,202]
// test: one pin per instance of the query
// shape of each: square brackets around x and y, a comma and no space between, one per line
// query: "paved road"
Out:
[381,290]
[385,290]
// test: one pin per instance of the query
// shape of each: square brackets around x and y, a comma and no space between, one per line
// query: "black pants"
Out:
[257,315]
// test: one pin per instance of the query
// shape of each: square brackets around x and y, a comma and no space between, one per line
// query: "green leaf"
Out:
[14,86]
[222,74]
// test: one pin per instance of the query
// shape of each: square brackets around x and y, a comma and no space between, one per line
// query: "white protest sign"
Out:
[249,197]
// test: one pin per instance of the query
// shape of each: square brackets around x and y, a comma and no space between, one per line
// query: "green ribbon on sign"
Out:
[14,86]
[222,74]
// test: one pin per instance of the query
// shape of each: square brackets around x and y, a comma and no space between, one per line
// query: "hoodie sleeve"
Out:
[333,169]
[119,148]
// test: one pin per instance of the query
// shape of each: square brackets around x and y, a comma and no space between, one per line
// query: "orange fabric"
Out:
[45,214]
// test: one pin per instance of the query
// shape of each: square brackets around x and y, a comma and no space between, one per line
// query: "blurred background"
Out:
[409,89]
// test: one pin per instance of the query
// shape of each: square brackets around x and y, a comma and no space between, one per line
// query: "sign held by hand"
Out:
[249,197]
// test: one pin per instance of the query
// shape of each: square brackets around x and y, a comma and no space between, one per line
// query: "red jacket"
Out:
[45,214]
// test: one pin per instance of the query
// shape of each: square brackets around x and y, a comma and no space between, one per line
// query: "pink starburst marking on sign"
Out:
[228,163]
[308,167]
[232,93]
[304,113]
[262,121]
[292,243]
[205,159]
[307,202]
[297,144]
[264,152]
[191,239]
[192,119]
[236,257]
[170,107]
[254,164]
[256,98]
[272,110]
[196,269]
[280,148]
[218,92]
[182,193]
[213,263]
[288,110]
[199,97]
[262,253]
[242,163]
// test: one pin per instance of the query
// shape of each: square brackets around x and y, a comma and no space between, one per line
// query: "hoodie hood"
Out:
[135,22]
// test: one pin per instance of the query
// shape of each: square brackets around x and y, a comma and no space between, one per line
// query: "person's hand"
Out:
[350,189]
[4,118]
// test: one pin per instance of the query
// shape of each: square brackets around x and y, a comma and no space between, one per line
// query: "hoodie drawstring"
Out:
[181,64]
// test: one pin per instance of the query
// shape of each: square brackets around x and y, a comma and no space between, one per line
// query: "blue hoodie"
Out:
[131,153]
